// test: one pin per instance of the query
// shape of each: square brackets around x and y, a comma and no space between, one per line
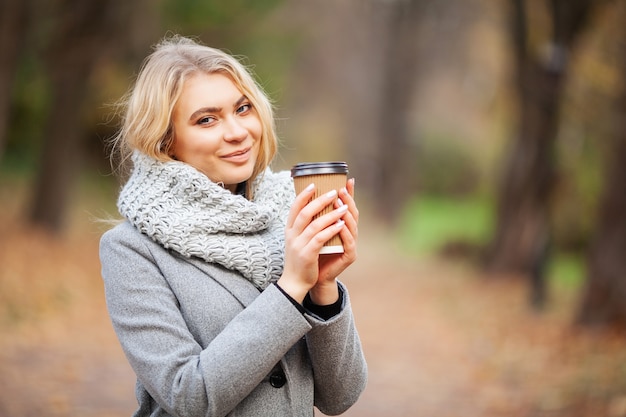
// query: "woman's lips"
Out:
[238,156]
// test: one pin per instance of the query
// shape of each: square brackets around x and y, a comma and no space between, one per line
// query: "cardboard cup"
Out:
[326,176]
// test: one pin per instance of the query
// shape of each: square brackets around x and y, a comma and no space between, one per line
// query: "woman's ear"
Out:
[167,147]
[167,143]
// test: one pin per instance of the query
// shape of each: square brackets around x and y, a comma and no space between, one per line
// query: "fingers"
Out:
[301,200]
[350,186]
[311,231]
[346,196]
[304,210]
[307,231]
[321,229]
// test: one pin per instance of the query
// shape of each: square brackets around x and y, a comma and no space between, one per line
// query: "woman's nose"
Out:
[234,130]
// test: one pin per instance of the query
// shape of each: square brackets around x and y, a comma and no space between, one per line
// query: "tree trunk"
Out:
[521,240]
[61,147]
[395,150]
[86,31]
[70,59]
[13,27]
[604,301]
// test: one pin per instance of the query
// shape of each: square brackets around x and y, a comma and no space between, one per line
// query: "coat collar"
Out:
[239,287]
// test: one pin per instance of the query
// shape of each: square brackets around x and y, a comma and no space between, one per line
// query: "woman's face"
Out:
[216,129]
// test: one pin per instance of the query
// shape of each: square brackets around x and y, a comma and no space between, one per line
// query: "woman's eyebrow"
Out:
[240,101]
[204,110]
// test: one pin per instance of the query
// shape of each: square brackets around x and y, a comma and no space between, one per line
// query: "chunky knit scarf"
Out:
[181,209]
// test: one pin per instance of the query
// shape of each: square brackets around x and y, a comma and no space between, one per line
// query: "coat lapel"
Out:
[240,288]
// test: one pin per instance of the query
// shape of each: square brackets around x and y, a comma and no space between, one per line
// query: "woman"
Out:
[214,282]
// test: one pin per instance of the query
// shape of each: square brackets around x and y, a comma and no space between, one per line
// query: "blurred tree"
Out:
[13,28]
[83,45]
[244,28]
[603,301]
[360,68]
[213,18]
[394,164]
[81,34]
[521,240]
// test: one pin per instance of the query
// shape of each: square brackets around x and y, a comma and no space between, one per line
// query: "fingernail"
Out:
[343,209]
[340,201]
[340,224]
[309,187]
[331,193]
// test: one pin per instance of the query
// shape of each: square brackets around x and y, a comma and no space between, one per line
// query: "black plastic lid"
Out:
[316,168]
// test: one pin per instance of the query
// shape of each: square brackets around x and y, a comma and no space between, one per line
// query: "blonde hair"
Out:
[148,107]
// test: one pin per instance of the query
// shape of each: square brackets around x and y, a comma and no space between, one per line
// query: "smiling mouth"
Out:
[237,154]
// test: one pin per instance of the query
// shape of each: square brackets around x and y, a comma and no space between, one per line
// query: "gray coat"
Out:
[203,341]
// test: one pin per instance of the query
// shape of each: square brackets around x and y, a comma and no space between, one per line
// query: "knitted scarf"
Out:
[181,209]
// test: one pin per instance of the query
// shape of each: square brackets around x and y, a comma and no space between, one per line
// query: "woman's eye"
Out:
[206,120]
[244,108]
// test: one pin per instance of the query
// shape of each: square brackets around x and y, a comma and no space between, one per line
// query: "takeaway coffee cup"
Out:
[326,176]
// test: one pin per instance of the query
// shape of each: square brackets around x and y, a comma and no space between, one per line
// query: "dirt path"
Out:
[439,342]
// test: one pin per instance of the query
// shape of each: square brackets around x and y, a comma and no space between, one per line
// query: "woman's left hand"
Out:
[325,290]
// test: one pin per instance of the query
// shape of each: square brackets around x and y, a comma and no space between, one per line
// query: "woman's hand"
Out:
[304,269]
[325,290]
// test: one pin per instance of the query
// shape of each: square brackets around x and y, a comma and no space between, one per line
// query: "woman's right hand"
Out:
[304,238]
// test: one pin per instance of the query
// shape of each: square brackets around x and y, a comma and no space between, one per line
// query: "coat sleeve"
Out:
[339,366]
[183,378]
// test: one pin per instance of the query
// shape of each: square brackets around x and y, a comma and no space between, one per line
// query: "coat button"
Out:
[278,379]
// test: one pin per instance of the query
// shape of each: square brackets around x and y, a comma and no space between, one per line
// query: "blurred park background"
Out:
[487,139]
